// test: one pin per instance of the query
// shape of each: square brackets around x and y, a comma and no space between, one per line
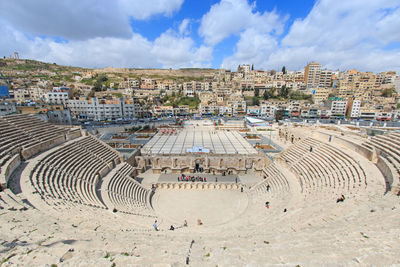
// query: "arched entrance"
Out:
[198,167]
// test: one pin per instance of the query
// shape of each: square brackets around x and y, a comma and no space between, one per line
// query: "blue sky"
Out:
[210,33]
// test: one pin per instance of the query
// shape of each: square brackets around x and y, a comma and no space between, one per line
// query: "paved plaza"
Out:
[217,142]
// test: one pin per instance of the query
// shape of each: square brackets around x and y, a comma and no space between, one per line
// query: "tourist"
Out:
[172,228]
[330,138]
[241,189]
[268,187]
[285,210]
[199,222]
[267,204]
[236,180]
[205,179]
[185,223]
[155,225]
[341,199]
[216,179]
[310,148]
[178,178]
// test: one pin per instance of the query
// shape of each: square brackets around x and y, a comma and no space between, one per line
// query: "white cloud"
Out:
[232,17]
[170,49]
[145,9]
[83,19]
[351,34]
[95,52]
[174,50]
[253,48]
[184,27]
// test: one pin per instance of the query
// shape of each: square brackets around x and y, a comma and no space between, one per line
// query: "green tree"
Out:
[284,70]
[266,95]
[91,93]
[255,101]
[256,92]
[97,86]
[284,91]
[279,114]
[388,92]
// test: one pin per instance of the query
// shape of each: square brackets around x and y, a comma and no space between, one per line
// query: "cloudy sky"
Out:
[362,34]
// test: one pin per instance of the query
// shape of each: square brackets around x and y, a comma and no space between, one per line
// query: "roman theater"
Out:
[290,194]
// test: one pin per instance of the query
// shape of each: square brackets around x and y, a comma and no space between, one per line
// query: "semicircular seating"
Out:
[122,192]
[388,147]
[322,168]
[72,172]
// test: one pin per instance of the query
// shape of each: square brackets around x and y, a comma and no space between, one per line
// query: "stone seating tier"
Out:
[72,172]
[325,169]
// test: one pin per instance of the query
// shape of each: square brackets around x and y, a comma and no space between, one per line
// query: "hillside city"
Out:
[109,95]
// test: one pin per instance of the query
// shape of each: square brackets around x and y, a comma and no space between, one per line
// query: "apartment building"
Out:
[21,95]
[320,95]
[325,79]
[103,109]
[239,108]
[268,110]
[355,108]
[59,96]
[253,111]
[245,68]
[338,108]
[312,75]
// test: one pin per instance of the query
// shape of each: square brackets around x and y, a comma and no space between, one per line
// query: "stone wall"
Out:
[390,174]
[35,149]
[8,169]
[211,163]
[73,133]
[363,151]
[200,185]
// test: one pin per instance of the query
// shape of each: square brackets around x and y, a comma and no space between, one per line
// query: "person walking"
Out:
[310,148]
[155,225]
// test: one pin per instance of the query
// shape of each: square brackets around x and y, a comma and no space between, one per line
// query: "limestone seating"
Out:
[70,173]
[8,200]
[103,152]
[23,131]
[279,186]
[325,169]
[388,146]
[125,194]
[32,125]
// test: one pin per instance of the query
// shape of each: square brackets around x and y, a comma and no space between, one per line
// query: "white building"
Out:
[245,68]
[239,108]
[21,95]
[103,109]
[355,109]
[338,107]
[225,110]
[268,110]
[253,110]
[59,96]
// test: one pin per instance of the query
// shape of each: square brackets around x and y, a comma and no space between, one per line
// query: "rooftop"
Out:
[218,142]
